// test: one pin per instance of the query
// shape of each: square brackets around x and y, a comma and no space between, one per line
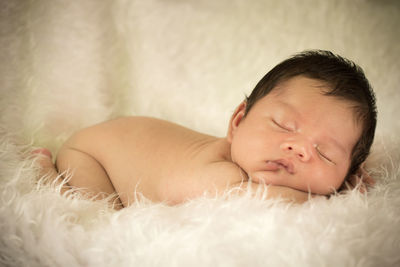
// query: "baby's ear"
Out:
[235,120]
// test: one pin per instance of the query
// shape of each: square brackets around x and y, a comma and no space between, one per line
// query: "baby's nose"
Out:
[299,149]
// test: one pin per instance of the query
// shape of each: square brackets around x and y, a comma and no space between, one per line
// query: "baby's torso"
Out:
[161,160]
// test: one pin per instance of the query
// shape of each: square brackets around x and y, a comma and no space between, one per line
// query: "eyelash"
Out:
[322,155]
[319,152]
[280,126]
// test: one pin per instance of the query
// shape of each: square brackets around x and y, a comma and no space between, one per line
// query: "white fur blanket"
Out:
[68,64]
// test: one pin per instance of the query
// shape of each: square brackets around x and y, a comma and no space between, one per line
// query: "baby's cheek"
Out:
[330,182]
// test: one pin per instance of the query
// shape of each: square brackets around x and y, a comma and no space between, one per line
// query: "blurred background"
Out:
[68,64]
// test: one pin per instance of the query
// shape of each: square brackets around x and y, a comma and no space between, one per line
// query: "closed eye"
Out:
[324,156]
[281,126]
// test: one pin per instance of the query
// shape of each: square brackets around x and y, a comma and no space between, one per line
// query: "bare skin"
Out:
[161,160]
[169,163]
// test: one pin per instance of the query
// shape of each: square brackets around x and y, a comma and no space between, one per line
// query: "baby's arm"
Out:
[274,192]
[241,184]
[290,194]
[361,179]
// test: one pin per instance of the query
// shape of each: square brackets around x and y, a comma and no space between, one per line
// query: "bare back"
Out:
[161,160]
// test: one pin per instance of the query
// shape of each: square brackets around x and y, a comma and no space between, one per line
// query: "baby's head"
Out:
[308,124]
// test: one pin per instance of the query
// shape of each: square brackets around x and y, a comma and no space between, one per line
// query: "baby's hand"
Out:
[362,178]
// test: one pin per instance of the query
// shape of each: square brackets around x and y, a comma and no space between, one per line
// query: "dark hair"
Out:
[345,80]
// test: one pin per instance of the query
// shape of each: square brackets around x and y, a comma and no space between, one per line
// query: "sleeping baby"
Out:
[305,130]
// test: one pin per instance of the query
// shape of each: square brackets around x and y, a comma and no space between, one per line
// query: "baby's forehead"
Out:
[307,96]
[303,87]
[300,84]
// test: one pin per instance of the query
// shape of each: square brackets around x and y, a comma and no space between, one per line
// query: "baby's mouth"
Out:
[275,165]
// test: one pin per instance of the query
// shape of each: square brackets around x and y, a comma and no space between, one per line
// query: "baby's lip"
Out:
[274,165]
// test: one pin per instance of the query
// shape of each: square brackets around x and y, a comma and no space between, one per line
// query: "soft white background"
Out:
[68,64]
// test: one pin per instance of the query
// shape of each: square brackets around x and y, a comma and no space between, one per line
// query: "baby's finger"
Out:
[367,179]
[353,181]
[362,188]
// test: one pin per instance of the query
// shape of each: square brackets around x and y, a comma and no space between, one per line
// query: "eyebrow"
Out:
[331,139]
